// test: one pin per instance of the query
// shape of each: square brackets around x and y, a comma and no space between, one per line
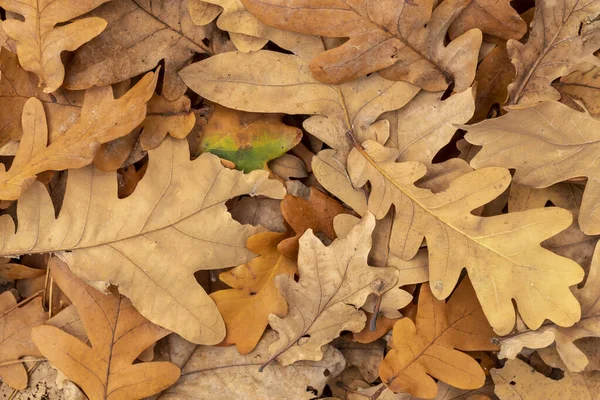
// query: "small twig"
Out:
[18,361]
[33,296]
[373,322]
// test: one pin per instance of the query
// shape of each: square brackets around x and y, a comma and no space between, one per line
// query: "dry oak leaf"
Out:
[335,281]
[494,74]
[563,33]
[248,140]
[246,308]
[430,345]
[424,126]
[102,119]
[566,143]
[403,40]
[518,381]
[316,213]
[445,392]
[588,326]
[140,34]
[492,17]
[11,271]
[176,212]
[163,117]
[584,85]
[570,243]
[243,28]
[40,42]
[222,373]
[16,87]
[237,80]
[15,336]
[588,346]
[502,253]
[118,334]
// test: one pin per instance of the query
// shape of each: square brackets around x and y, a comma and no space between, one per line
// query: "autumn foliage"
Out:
[300,199]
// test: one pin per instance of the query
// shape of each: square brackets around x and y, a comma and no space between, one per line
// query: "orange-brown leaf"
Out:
[246,307]
[430,345]
[118,334]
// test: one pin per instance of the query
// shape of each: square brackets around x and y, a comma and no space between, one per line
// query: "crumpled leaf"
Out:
[316,213]
[563,33]
[429,347]
[15,336]
[176,212]
[102,119]
[248,140]
[40,42]
[492,17]
[588,346]
[221,372]
[587,326]
[163,117]
[139,35]
[364,356]
[118,334]
[566,143]
[16,86]
[319,312]
[517,381]
[237,80]
[246,308]
[584,85]
[502,248]
[405,43]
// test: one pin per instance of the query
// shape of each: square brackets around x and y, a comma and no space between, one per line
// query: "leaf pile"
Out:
[275,199]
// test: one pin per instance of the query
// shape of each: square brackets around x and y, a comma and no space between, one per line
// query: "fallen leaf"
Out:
[319,312]
[138,37]
[562,35]
[16,86]
[259,211]
[249,140]
[445,392]
[287,167]
[382,326]
[177,210]
[316,213]
[221,372]
[364,356]
[404,43]
[40,42]
[290,88]
[584,85]
[572,242]
[329,167]
[588,346]
[419,135]
[517,381]
[566,144]
[246,307]
[429,347]
[493,75]
[163,117]
[118,334]
[102,119]
[233,18]
[15,340]
[11,271]
[497,263]
[573,357]
[492,17]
